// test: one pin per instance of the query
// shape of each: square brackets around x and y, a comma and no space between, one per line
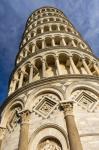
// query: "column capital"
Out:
[67,107]
[56,56]
[43,59]
[24,115]
[31,64]
[22,70]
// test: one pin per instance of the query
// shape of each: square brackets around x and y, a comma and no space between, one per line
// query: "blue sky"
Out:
[84,14]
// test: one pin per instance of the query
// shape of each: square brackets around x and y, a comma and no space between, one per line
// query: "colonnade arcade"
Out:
[52,65]
[44,14]
[51,42]
[50,27]
[48,19]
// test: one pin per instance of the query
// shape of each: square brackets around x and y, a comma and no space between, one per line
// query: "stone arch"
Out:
[54,27]
[58,40]
[27,72]
[64,51]
[62,28]
[38,44]
[63,61]
[45,20]
[37,69]
[73,52]
[46,28]
[48,41]
[80,85]
[34,94]
[43,132]
[51,69]
[13,105]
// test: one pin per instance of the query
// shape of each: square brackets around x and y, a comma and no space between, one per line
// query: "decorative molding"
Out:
[45,107]
[86,101]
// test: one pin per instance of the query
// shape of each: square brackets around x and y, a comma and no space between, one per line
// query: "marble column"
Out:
[58,28]
[42,30]
[57,65]
[76,71]
[24,130]
[50,28]
[53,41]
[73,43]
[63,41]
[73,135]
[43,68]
[33,48]
[21,79]
[26,53]
[31,73]
[86,67]
[2,133]
[43,43]
[14,84]
[96,68]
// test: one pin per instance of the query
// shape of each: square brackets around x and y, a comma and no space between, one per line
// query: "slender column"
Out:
[2,133]
[86,66]
[73,135]
[43,43]
[96,68]
[31,73]
[14,84]
[50,28]
[21,79]
[63,41]
[53,42]
[73,43]
[58,28]
[24,130]
[57,65]
[33,48]
[42,31]
[43,68]
[73,66]
[25,53]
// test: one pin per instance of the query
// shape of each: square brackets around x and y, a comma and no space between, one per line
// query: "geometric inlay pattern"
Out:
[45,106]
[86,101]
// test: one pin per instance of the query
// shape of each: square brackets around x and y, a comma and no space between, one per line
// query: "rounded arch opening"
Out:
[63,60]
[49,143]
[51,69]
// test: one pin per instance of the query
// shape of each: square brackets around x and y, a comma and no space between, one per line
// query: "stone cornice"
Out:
[46,81]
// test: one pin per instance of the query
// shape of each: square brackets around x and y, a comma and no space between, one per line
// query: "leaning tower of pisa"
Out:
[53,98]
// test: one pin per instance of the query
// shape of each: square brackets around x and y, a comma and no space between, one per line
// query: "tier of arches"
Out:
[51,27]
[42,12]
[52,65]
[51,41]
[46,20]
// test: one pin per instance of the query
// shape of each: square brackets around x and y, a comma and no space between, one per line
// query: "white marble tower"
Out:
[53,98]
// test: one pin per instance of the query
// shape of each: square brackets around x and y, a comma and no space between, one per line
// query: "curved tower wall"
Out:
[54,66]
